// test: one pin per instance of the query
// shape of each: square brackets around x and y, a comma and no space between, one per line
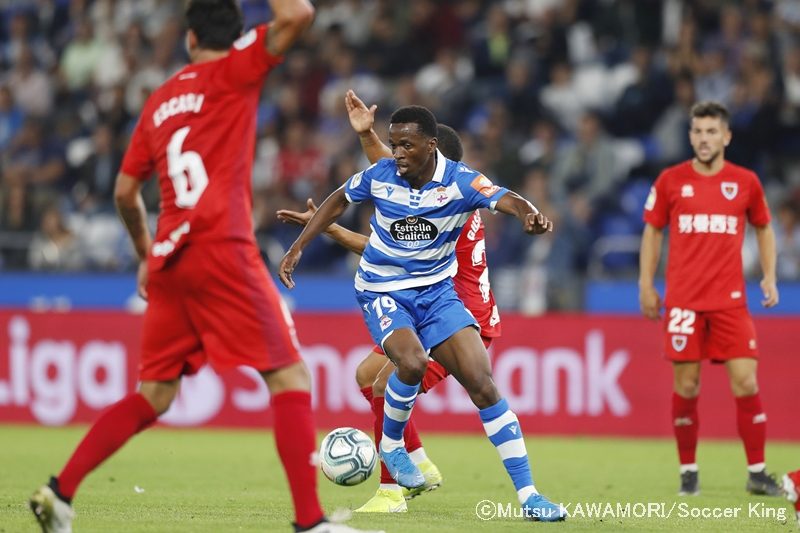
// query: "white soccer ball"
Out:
[347,456]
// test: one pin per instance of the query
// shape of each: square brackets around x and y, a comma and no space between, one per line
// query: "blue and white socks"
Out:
[503,429]
[399,399]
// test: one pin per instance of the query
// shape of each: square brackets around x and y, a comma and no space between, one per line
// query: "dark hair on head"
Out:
[710,108]
[216,23]
[449,143]
[416,114]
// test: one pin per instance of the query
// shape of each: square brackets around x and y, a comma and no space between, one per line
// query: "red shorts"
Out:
[215,303]
[715,335]
[435,371]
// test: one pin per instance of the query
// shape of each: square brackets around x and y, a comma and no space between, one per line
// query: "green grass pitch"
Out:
[220,481]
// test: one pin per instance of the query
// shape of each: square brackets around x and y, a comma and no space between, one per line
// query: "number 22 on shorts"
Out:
[681,321]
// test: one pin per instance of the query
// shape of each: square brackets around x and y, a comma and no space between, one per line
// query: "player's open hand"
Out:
[295,217]
[770,290]
[141,279]
[287,266]
[361,117]
[650,302]
[536,224]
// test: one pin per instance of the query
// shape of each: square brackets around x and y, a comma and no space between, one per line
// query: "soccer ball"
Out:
[347,456]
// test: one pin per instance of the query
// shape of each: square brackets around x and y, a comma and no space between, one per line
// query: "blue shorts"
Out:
[434,312]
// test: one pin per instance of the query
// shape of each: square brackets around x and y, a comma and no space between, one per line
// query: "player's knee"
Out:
[412,367]
[744,385]
[483,392]
[687,386]
[364,375]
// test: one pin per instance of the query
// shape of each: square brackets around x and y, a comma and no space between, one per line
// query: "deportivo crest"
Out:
[440,195]
[678,342]
[729,189]
[385,322]
[413,232]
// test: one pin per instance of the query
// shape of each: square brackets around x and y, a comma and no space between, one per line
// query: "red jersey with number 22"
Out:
[706,217]
[197,131]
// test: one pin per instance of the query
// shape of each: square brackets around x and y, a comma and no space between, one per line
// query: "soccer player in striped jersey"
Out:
[405,289]
[472,286]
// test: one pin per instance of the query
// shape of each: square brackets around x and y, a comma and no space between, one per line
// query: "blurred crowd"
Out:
[576,104]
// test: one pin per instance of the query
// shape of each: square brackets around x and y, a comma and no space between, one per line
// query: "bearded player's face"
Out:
[709,136]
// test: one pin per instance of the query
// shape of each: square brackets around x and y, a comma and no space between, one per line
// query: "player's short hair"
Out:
[216,23]
[710,108]
[449,142]
[416,114]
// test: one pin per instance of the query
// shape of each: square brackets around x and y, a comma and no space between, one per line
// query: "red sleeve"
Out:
[249,61]
[757,208]
[656,208]
[137,162]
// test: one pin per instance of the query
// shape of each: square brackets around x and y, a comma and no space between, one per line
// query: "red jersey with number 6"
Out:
[706,217]
[197,131]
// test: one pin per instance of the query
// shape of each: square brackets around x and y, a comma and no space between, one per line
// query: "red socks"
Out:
[296,441]
[685,424]
[752,424]
[115,426]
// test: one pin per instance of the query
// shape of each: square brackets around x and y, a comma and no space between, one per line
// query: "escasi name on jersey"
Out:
[705,223]
[184,103]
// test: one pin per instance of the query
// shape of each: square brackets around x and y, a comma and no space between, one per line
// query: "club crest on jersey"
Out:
[729,189]
[678,342]
[484,185]
[413,232]
[385,322]
[440,195]
[687,191]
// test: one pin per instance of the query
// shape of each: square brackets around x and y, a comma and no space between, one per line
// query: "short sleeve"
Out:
[138,162]
[656,207]
[757,209]
[479,191]
[359,186]
[249,61]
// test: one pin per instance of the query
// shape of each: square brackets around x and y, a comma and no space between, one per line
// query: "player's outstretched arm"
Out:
[130,206]
[292,17]
[649,255]
[767,254]
[362,120]
[355,242]
[330,210]
[533,222]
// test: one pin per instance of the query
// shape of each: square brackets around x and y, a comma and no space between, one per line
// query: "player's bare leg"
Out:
[685,423]
[465,357]
[751,422]
[404,349]
[52,503]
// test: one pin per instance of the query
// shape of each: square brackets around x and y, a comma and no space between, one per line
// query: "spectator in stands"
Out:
[11,117]
[54,246]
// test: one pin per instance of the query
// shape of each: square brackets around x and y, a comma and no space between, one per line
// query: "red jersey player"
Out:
[706,203]
[210,296]
[471,283]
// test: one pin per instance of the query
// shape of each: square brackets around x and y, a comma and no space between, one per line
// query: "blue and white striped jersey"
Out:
[414,231]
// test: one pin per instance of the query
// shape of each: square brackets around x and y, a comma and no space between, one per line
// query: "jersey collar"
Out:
[441,163]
